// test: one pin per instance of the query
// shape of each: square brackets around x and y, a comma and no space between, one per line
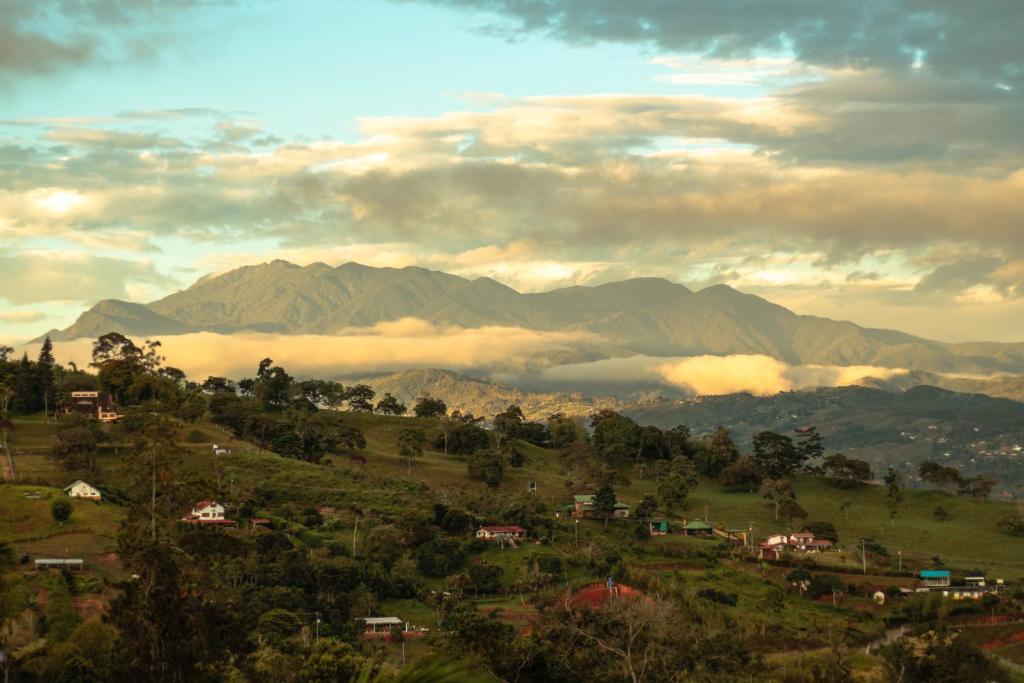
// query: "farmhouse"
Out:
[935,578]
[501,533]
[583,506]
[80,489]
[94,405]
[697,528]
[381,627]
[208,512]
[658,527]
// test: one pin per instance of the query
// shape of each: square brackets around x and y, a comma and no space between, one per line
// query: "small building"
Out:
[59,563]
[769,551]
[621,510]
[80,489]
[208,512]
[658,527]
[501,533]
[94,405]
[801,539]
[777,540]
[935,578]
[260,523]
[381,627]
[583,506]
[697,528]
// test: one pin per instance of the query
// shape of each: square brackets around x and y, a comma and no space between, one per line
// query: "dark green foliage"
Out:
[716,453]
[847,472]
[439,558]
[488,467]
[776,455]
[604,501]
[825,530]
[718,596]
[61,510]
[945,658]
[615,437]
[389,405]
[430,407]
[742,475]
[464,439]
[484,577]
[77,446]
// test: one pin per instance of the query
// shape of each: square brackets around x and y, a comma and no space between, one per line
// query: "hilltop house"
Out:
[804,541]
[583,506]
[697,527]
[935,578]
[208,512]
[383,627]
[501,533]
[658,527]
[94,405]
[80,489]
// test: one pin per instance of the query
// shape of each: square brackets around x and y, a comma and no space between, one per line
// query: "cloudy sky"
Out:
[855,159]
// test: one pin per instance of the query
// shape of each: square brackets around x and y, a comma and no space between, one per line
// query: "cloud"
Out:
[975,39]
[35,277]
[397,345]
[714,375]
[26,316]
[40,38]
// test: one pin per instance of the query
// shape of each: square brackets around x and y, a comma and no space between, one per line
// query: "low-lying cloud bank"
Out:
[527,358]
[711,375]
[395,345]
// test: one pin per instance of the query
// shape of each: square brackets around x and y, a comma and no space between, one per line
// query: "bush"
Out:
[195,436]
[712,595]
[61,510]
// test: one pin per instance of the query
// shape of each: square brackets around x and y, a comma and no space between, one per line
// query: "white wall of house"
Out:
[82,490]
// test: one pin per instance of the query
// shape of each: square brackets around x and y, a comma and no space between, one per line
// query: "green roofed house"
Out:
[658,527]
[697,528]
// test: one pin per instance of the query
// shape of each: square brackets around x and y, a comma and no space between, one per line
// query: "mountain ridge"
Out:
[650,316]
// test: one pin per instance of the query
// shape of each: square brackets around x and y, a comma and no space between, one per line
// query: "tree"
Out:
[389,405]
[977,487]
[893,492]
[776,455]
[218,385]
[742,475]
[647,507]
[508,422]
[410,444]
[615,436]
[939,657]
[61,510]
[604,501]
[5,352]
[273,386]
[44,365]
[77,443]
[360,398]
[780,493]
[717,453]
[675,486]
[940,475]
[825,530]
[809,444]
[563,431]
[487,467]
[430,407]
[847,472]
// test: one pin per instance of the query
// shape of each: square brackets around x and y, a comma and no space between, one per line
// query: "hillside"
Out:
[480,396]
[975,433]
[641,316]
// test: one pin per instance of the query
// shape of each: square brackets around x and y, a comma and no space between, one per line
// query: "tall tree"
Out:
[410,444]
[389,405]
[604,501]
[776,455]
[893,491]
[717,453]
[427,406]
[44,366]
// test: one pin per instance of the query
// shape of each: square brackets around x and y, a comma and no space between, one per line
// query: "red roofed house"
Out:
[501,533]
[208,512]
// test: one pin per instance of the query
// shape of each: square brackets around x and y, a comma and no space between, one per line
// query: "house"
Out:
[59,563]
[381,627]
[697,528]
[501,533]
[658,527]
[800,539]
[80,489]
[935,578]
[94,405]
[777,540]
[208,512]
[767,551]
[583,506]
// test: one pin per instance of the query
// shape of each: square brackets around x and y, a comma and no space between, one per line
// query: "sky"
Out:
[859,160]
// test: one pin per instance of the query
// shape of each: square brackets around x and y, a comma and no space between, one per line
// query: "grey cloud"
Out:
[980,38]
[959,275]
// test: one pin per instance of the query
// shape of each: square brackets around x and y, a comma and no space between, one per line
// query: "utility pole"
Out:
[577,530]
[900,554]
[863,557]
[318,627]
[354,530]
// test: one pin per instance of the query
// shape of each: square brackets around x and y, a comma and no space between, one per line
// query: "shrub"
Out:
[61,510]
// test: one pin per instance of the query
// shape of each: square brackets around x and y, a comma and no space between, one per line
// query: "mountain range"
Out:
[649,316]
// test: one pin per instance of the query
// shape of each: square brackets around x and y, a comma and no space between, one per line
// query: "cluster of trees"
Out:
[30,387]
[949,478]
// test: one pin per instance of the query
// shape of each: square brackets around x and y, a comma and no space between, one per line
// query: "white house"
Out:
[206,511]
[80,489]
[501,533]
